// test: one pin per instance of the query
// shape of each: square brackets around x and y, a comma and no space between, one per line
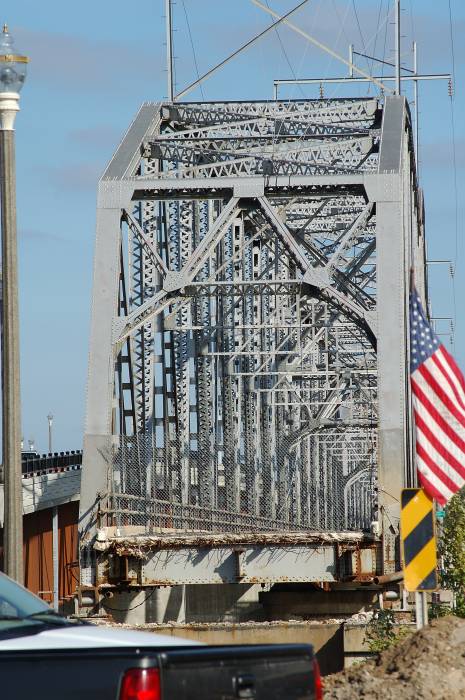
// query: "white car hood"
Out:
[90,637]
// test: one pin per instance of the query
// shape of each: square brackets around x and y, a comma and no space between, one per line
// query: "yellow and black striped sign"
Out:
[417,528]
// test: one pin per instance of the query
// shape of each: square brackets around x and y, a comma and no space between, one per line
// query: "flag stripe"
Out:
[438,395]
[427,484]
[433,478]
[453,366]
[452,441]
[437,403]
[444,414]
[427,426]
[438,359]
[432,373]
[449,468]
[436,466]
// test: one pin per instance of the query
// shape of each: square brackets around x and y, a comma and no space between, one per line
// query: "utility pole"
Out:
[169,49]
[397,61]
[12,76]
[50,423]
[417,109]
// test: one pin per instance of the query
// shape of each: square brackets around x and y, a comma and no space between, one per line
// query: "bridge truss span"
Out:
[247,364]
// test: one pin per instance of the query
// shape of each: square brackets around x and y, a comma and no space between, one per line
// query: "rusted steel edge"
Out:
[140,545]
[389,578]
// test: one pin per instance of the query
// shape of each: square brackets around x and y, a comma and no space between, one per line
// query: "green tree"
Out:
[382,632]
[452,549]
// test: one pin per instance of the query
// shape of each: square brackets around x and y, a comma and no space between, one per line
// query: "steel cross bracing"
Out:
[240,375]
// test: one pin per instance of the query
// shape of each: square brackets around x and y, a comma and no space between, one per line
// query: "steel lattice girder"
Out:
[247,365]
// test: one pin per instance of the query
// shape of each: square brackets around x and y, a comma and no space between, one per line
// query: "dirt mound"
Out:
[428,665]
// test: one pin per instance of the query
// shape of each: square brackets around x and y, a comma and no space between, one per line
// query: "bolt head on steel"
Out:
[13,66]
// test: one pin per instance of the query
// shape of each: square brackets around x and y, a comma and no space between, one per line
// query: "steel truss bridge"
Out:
[247,394]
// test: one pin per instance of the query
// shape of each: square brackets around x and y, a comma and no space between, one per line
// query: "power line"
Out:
[385,39]
[193,49]
[412,21]
[286,56]
[342,22]
[360,32]
[336,12]
[381,3]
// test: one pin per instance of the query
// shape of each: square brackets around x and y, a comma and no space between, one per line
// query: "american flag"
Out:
[438,390]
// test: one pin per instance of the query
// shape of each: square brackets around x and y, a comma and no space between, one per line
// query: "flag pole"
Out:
[421,600]
[421,609]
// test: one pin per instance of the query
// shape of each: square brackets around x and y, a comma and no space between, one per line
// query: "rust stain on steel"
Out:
[120,551]
[162,583]
[361,574]
[139,545]
[356,569]
[258,579]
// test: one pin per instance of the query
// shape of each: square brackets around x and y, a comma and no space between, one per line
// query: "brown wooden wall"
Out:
[38,559]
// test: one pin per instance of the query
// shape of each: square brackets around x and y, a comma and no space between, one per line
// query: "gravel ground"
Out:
[428,665]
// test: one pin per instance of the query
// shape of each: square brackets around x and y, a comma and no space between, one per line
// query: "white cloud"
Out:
[74,62]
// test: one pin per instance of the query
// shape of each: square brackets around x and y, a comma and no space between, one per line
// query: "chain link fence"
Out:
[324,481]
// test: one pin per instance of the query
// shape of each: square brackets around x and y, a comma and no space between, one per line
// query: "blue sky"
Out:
[93,63]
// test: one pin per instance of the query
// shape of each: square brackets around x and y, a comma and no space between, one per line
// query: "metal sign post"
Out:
[421,609]
[418,538]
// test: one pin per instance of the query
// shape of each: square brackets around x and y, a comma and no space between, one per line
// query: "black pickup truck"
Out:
[47,657]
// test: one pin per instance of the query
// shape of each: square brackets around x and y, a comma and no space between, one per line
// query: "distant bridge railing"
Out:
[33,463]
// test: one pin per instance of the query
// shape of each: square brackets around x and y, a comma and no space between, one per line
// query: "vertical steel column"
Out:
[392,377]
[182,342]
[393,261]
[11,400]
[251,424]
[226,316]
[206,467]
[97,462]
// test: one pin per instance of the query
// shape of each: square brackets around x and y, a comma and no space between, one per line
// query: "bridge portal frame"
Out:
[394,191]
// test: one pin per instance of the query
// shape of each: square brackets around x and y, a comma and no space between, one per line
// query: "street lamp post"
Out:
[12,76]
[50,423]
